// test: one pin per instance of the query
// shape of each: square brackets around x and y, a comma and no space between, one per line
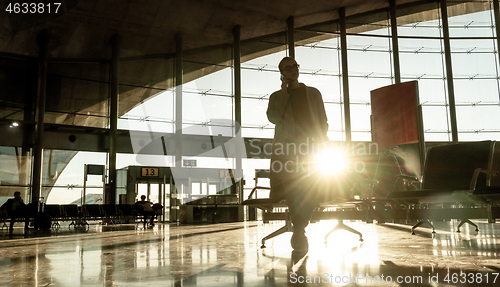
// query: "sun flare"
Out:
[331,161]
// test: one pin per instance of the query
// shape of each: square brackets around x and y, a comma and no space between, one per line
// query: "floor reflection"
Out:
[230,255]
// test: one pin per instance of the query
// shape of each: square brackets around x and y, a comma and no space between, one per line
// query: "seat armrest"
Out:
[255,189]
[476,173]
[407,177]
[409,180]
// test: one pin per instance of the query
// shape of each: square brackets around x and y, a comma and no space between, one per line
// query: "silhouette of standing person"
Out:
[298,113]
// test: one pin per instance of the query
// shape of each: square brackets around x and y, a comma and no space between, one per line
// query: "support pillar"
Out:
[43,40]
[395,44]
[237,86]
[237,104]
[345,74]
[291,38]
[110,195]
[496,10]
[28,136]
[178,98]
[449,72]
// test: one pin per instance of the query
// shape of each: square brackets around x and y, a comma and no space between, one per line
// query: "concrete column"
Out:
[449,72]
[113,119]
[237,85]
[43,40]
[28,116]
[345,74]
[496,10]
[291,39]
[237,99]
[178,98]
[237,75]
[395,45]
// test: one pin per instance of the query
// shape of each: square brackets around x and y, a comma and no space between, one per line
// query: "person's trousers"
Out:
[150,215]
[301,194]
[14,216]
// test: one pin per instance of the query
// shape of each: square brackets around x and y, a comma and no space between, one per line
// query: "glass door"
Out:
[154,193]
[140,190]
[166,202]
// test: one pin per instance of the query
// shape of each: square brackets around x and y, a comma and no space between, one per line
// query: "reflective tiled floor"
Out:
[230,255]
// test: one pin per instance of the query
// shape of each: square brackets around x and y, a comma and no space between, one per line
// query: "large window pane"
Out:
[421,20]
[475,91]
[259,79]
[254,115]
[147,104]
[436,126]
[477,118]
[369,66]
[63,176]
[475,69]
[17,89]
[421,55]
[360,122]
[470,19]
[14,173]
[155,114]
[77,94]
[473,59]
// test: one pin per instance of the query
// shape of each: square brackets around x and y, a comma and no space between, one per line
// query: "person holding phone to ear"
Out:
[298,113]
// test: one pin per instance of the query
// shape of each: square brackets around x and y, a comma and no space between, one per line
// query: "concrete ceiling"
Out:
[81,29]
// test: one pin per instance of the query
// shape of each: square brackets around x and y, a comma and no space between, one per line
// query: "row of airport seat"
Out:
[79,216]
[460,181]
[110,213]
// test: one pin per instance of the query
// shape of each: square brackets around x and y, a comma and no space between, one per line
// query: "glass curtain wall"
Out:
[146,103]
[77,94]
[208,101]
[146,109]
[208,112]
[17,99]
[15,173]
[475,69]
[63,177]
[318,52]
[260,77]
[421,54]
[369,66]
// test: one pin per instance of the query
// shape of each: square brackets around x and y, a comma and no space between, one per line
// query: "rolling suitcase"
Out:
[43,221]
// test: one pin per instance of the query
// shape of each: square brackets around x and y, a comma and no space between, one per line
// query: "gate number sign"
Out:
[149,171]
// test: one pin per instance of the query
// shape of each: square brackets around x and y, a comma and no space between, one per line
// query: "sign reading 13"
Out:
[226,174]
[149,171]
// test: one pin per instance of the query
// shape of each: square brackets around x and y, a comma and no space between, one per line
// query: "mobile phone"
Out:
[282,78]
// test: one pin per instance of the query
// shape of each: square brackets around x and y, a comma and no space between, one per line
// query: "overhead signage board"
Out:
[150,172]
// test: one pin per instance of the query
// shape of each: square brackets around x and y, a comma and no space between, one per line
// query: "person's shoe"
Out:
[299,242]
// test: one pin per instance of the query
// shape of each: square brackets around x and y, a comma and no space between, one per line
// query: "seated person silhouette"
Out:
[145,208]
[14,208]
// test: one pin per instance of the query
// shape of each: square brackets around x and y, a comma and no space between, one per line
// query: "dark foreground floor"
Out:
[230,255]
